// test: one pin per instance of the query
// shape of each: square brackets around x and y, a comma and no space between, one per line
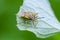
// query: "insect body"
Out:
[29,16]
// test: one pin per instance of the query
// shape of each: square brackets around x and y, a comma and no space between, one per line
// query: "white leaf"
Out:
[44,27]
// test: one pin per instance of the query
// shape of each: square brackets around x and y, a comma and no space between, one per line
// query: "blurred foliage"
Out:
[8,29]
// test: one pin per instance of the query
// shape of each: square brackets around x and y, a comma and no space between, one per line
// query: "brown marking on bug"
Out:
[29,15]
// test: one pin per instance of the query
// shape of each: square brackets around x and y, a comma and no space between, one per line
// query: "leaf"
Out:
[43,27]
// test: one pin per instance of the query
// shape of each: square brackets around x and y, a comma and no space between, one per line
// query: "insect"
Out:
[30,17]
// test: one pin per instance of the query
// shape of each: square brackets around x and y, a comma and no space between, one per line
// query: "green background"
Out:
[8,29]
